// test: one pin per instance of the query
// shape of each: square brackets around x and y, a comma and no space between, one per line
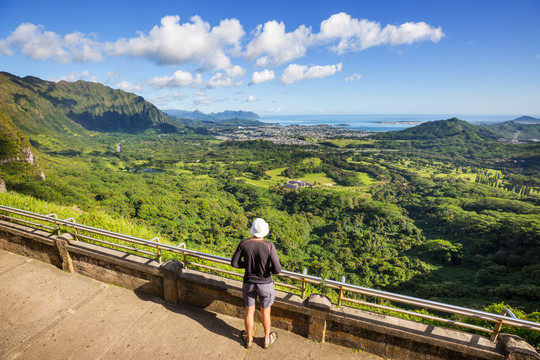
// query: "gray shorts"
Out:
[265,291]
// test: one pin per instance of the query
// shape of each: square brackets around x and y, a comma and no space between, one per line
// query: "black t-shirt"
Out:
[259,258]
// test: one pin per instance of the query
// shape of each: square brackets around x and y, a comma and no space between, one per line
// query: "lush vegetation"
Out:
[441,211]
[417,228]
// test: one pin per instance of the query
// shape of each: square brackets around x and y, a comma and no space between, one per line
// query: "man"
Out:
[260,259]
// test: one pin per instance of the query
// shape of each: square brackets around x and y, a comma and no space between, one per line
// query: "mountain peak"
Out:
[38,104]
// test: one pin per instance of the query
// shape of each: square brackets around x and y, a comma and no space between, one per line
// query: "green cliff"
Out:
[36,106]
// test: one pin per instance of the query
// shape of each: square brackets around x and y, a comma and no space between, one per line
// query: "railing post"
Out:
[304,272]
[55,223]
[183,246]
[74,228]
[499,325]
[341,291]
[496,331]
[156,239]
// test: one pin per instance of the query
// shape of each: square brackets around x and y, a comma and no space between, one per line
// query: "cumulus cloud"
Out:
[76,76]
[178,79]
[355,35]
[262,76]
[128,86]
[226,78]
[353,77]
[175,43]
[172,42]
[296,72]
[273,46]
[38,44]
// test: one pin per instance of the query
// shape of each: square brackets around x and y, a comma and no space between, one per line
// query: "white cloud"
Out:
[225,79]
[38,44]
[179,79]
[175,43]
[4,48]
[353,77]
[262,76]
[75,76]
[128,87]
[219,80]
[296,72]
[273,46]
[355,35]
[251,98]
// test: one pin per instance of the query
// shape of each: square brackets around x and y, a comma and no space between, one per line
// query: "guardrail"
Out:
[341,286]
[158,247]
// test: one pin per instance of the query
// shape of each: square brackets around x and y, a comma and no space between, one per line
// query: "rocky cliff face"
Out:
[15,146]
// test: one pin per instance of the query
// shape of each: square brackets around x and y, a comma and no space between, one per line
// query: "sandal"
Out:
[273,338]
[245,338]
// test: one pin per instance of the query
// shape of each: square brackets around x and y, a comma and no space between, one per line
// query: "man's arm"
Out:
[276,266]
[236,261]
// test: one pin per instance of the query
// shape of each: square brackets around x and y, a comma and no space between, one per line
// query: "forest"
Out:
[445,210]
[422,222]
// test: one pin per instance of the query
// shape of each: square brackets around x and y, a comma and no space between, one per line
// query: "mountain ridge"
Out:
[36,105]
[521,129]
[216,117]
[440,129]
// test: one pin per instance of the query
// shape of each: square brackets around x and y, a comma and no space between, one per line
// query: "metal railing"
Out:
[155,244]
[499,320]
[341,286]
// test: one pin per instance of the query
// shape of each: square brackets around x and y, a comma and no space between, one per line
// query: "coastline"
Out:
[381,122]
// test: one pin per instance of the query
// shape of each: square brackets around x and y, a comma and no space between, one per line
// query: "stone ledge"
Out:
[315,318]
[114,256]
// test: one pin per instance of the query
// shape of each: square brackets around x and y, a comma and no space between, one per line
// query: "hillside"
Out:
[522,129]
[455,138]
[441,130]
[36,106]
[16,152]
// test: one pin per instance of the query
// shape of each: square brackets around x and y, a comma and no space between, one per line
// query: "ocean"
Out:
[379,122]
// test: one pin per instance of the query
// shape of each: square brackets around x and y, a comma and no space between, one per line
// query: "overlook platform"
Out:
[50,314]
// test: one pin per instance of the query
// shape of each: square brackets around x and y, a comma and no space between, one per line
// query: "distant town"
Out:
[288,135]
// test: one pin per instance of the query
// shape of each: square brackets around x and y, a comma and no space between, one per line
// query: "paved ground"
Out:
[46,313]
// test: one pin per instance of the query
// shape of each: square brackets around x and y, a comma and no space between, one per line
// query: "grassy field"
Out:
[318,178]
[346,142]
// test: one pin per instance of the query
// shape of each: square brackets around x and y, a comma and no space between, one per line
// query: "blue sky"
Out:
[288,57]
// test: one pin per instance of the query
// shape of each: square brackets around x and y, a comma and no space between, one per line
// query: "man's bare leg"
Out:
[248,321]
[266,321]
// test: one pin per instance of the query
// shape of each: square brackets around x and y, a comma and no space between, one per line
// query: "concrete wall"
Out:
[316,318]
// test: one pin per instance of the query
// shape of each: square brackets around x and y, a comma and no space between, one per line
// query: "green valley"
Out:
[411,211]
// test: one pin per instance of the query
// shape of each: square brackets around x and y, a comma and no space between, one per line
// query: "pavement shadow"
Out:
[207,319]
